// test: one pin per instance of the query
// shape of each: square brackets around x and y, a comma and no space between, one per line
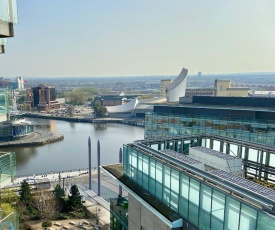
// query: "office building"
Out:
[8,168]
[168,189]
[42,97]
[12,126]
[244,118]
[224,89]
[205,163]
[7,174]
[200,92]
[109,100]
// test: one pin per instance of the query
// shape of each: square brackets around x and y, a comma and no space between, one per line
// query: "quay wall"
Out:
[86,119]
[37,141]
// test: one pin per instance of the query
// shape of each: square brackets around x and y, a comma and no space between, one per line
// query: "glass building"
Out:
[246,124]
[7,167]
[119,213]
[11,126]
[203,200]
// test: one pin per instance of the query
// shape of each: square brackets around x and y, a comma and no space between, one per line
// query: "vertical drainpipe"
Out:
[120,161]
[90,166]
[98,169]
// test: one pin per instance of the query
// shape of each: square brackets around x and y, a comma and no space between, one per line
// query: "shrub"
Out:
[46,224]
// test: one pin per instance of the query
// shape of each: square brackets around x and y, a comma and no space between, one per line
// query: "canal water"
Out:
[72,152]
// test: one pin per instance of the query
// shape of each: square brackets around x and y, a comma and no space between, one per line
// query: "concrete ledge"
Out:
[34,139]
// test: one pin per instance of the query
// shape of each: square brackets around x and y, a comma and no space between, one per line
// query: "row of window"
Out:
[201,205]
[257,132]
[7,166]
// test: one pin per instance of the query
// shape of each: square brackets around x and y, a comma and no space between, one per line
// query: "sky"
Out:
[56,38]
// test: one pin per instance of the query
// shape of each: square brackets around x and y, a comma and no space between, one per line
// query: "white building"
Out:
[177,88]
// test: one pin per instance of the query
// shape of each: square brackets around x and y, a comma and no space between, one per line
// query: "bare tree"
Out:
[47,204]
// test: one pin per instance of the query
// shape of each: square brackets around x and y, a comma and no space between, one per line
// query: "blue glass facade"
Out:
[171,124]
[7,166]
[198,203]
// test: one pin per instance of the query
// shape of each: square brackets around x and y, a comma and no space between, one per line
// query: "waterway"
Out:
[72,152]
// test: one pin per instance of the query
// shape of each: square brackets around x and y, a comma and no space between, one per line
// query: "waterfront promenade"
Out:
[97,205]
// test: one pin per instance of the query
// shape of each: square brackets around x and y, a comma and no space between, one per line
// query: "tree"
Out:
[9,196]
[100,110]
[74,202]
[80,95]
[59,194]
[7,209]
[25,193]
[47,204]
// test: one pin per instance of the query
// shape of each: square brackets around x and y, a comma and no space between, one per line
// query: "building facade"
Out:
[42,97]
[8,168]
[224,89]
[12,126]
[200,92]
[166,191]
[250,121]
[163,84]
[109,100]
[175,181]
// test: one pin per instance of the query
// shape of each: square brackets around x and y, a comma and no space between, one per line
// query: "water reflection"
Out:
[100,127]
[72,125]
[72,152]
[23,156]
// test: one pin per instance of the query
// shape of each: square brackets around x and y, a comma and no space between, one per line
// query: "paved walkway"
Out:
[98,206]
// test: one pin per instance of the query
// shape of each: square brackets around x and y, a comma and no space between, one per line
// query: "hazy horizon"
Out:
[140,38]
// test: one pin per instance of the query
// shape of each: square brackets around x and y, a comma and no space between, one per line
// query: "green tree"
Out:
[7,209]
[100,110]
[74,202]
[8,196]
[80,95]
[59,194]
[25,193]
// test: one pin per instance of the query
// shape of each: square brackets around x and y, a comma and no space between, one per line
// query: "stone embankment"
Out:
[34,139]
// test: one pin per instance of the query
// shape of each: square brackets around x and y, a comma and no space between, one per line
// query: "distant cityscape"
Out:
[184,152]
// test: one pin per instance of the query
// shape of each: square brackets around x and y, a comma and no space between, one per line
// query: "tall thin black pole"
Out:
[98,168]
[90,165]
[120,161]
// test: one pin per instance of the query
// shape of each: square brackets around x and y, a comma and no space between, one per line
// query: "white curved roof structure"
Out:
[128,107]
[177,88]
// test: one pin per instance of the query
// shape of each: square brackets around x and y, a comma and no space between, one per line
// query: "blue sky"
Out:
[145,37]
